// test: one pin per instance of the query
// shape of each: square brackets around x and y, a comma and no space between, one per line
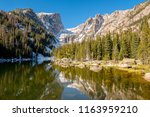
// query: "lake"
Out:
[33,81]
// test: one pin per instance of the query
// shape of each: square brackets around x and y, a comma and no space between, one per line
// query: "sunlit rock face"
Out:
[29,13]
[52,22]
[103,24]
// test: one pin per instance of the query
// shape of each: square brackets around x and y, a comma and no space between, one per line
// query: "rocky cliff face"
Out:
[52,22]
[28,13]
[102,24]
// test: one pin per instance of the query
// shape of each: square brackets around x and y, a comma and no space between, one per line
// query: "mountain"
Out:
[28,13]
[52,22]
[24,33]
[102,24]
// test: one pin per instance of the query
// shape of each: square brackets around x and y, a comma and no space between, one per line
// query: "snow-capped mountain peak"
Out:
[44,13]
[117,21]
[52,22]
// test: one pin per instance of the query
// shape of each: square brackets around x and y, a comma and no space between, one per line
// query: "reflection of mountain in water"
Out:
[44,81]
[73,90]
[108,84]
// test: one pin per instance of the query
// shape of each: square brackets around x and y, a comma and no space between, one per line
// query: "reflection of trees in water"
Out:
[22,81]
[109,83]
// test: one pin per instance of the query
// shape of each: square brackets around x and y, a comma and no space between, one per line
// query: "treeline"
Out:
[21,36]
[115,46]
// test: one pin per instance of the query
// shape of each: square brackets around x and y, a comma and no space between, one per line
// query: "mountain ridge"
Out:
[120,20]
[52,22]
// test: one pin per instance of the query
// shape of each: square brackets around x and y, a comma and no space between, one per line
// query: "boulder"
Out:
[128,61]
[75,63]
[64,65]
[81,65]
[125,66]
[66,60]
[139,62]
[147,76]
[95,68]
[87,64]
[96,62]
[110,63]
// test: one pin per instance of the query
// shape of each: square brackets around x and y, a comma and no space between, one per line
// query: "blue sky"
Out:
[73,12]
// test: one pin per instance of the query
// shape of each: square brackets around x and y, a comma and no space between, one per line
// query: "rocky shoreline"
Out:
[130,65]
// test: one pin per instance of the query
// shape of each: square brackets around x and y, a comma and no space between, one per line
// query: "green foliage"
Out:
[127,44]
[99,48]
[134,45]
[116,47]
[107,47]
[20,36]
[144,47]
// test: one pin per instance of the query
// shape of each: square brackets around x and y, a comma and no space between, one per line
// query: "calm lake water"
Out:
[47,82]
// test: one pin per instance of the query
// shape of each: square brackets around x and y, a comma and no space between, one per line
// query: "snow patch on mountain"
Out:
[52,22]
[117,21]
[43,13]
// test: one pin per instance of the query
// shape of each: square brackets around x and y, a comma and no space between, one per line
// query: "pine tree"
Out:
[108,47]
[116,47]
[124,52]
[99,48]
[94,49]
[134,45]
[144,47]
[88,49]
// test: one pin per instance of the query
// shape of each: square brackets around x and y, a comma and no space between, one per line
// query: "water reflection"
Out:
[48,82]
[109,84]
[72,88]
[24,81]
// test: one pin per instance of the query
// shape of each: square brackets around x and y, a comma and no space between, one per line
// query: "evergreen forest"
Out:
[116,46]
[20,36]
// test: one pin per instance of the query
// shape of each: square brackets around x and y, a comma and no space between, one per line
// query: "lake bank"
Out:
[129,65]
[38,59]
